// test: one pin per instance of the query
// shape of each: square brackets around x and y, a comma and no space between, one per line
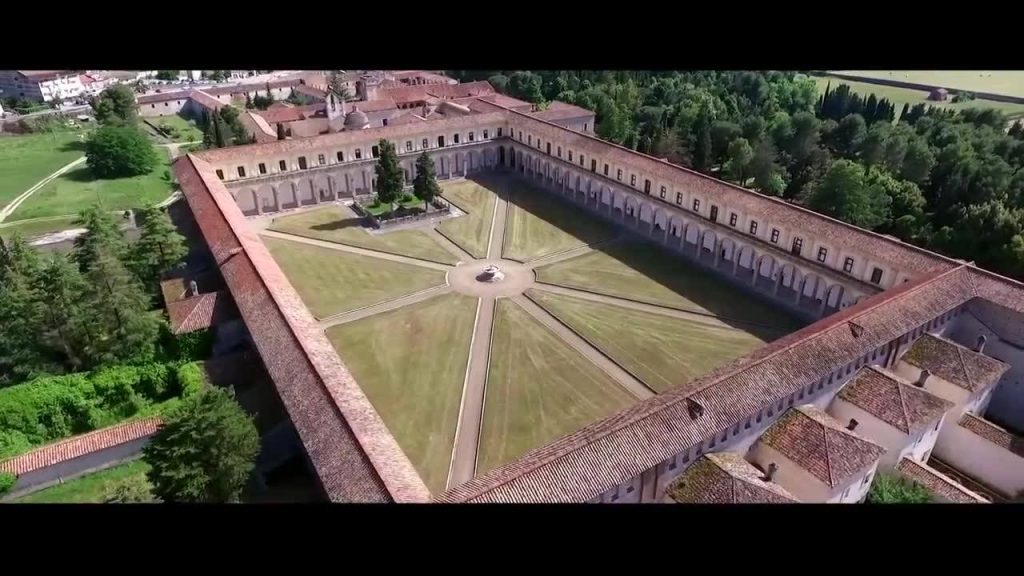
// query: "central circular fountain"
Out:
[491,273]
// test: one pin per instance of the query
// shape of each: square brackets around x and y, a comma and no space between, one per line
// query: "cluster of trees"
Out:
[217,75]
[944,180]
[336,86]
[66,314]
[167,74]
[118,148]
[262,102]
[890,488]
[224,128]
[391,179]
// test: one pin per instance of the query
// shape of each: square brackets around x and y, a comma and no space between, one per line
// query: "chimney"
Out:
[922,378]
[770,474]
[980,346]
[193,288]
[852,425]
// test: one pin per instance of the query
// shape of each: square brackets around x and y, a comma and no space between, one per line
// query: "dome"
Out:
[356,120]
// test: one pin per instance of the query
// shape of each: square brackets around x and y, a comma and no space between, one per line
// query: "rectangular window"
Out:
[632,179]
[241,171]
[455,138]
[375,151]
[499,132]
[486,134]
[663,191]
[714,213]
[672,465]
[520,135]
[570,155]
[867,480]
[629,489]
[647,186]
[547,150]
[425,143]
[341,156]
[359,153]
[559,151]
[220,174]
[618,174]
[263,168]
[408,145]
[733,219]
[848,265]
[283,166]
[775,235]
[679,198]
[593,167]
[696,205]
[321,160]
[529,139]
[822,253]
[384,122]
[876,276]
[302,163]
[753,227]
[472,136]
[798,245]
[605,169]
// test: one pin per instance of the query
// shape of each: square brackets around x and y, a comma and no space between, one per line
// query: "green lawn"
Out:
[339,224]
[1008,82]
[899,96]
[76,190]
[412,204]
[88,489]
[187,129]
[332,281]
[27,159]
[540,224]
[644,272]
[661,351]
[472,231]
[538,389]
[411,363]
[33,228]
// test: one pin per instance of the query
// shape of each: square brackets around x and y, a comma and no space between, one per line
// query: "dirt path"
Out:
[10,208]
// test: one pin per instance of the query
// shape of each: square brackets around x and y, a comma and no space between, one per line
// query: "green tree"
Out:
[390,178]
[702,156]
[210,135]
[425,185]
[167,74]
[20,356]
[848,136]
[119,152]
[205,451]
[843,193]
[889,488]
[64,326]
[115,105]
[338,87]
[740,155]
[722,134]
[765,170]
[159,247]
[221,131]
[248,101]
[232,117]
[102,233]
[917,162]
[130,490]
[119,312]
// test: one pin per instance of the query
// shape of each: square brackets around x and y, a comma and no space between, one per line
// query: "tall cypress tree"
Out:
[66,327]
[903,113]
[1016,130]
[702,145]
[870,110]
[159,248]
[102,233]
[20,354]
[425,185]
[390,178]
[119,310]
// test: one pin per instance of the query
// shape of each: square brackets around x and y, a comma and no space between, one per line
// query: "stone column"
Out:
[735,261]
[256,202]
[718,252]
[757,269]
[277,198]
[315,189]
[778,282]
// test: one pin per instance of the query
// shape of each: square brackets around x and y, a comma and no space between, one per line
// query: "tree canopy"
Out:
[115,105]
[118,152]
[424,185]
[890,488]
[390,178]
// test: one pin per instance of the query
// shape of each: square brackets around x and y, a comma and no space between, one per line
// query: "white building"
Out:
[816,458]
[902,418]
[40,85]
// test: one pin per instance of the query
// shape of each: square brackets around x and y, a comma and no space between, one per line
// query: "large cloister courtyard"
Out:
[470,374]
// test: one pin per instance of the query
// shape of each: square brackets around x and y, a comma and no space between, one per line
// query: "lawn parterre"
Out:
[331,281]
[27,159]
[471,231]
[540,224]
[187,131]
[411,363]
[339,224]
[91,488]
[538,389]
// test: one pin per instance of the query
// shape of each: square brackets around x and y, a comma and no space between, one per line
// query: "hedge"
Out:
[184,347]
[55,407]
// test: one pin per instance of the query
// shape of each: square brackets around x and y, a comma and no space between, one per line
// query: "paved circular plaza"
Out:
[467,278]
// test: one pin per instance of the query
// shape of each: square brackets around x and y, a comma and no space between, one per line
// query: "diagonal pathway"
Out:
[571,253]
[355,250]
[10,208]
[366,311]
[497,242]
[453,248]
[598,358]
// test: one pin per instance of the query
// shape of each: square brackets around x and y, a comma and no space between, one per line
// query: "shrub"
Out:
[408,198]
[194,345]
[119,151]
[191,379]
[131,490]
[13,442]
[7,481]
[895,489]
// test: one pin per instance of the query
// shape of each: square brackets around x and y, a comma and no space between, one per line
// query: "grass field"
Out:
[187,129]
[540,224]
[88,489]
[33,228]
[332,281]
[411,363]
[1008,82]
[644,272]
[27,159]
[76,190]
[339,224]
[538,389]
[899,96]
[662,352]
[471,231]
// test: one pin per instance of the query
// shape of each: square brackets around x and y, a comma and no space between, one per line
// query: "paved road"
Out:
[10,208]
[360,313]
[625,379]
[355,250]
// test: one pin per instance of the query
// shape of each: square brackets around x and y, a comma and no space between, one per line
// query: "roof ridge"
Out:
[903,404]
[963,365]
[828,457]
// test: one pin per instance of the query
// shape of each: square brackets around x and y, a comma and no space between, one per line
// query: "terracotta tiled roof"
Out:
[585,464]
[407,118]
[282,114]
[892,400]
[201,312]
[821,445]
[310,91]
[71,448]
[355,457]
[726,478]
[308,127]
[164,97]
[376,105]
[994,434]
[206,101]
[258,127]
[955,363]
[938,483]
[562,111]
[417,93]
[504,101]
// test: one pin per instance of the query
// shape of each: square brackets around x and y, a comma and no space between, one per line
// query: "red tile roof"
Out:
[164,97]
[376,105]
[892,400]
[938,483]
[71,448]
[355,456]
[420,92]
[726,478]
[504,101]
[310,91]
[44,75]
[955,363]
[993,433]
[206,101]
[281,114]
[201,312]
[821,445]
[562,111]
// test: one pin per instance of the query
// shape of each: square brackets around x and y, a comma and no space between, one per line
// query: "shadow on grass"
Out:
[338,225]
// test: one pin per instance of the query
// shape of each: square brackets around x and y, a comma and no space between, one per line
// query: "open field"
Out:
[661,351]
[411,363]
[1008,82]
[340,224]
[899,96]
[90,488]
[538,389]
[472,230]
[76,190]
[32,228]
[27,159]
[540,224]
[332,281]
[187,129]
[646,273]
